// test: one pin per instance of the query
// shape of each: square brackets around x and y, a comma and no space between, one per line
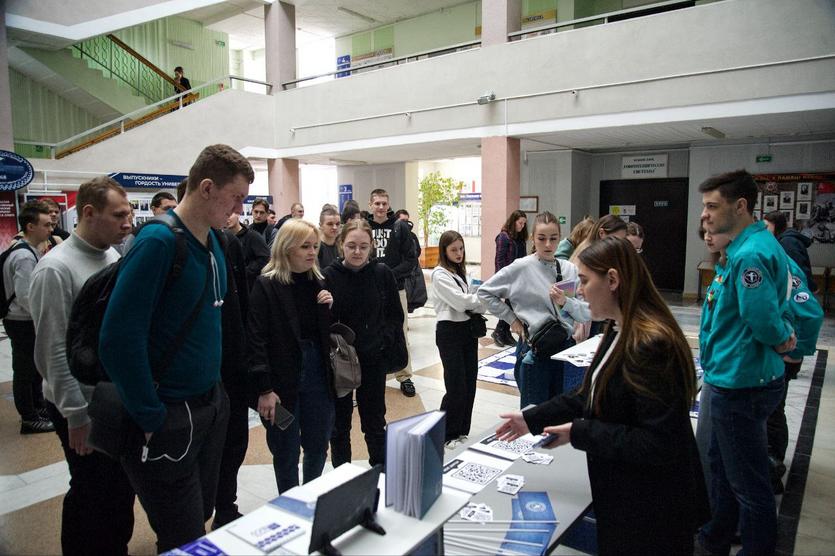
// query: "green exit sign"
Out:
[763,158]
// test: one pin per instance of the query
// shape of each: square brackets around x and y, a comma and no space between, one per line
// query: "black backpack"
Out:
[89,307]
[6,303]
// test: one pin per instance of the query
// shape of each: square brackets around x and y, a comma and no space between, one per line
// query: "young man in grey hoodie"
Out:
[36,227]
[98,508]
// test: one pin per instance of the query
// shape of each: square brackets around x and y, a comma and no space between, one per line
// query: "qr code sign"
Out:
[477,473]
[517,446]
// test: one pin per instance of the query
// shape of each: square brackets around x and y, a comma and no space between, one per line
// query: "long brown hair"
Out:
[448,238]
[581,231]
[647,323]
[510,226]
[608,223]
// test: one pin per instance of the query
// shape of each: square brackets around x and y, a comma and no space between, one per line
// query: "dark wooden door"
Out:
[661,208]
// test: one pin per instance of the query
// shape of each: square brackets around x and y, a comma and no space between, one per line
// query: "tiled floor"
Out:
[33,475]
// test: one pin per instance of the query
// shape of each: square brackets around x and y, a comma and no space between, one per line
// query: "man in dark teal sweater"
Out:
[183,410]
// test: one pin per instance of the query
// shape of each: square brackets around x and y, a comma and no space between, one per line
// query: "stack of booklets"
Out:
[415,462]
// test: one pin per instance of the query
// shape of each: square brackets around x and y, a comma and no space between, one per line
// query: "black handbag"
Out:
[477,322]
[478,325]
[550,338]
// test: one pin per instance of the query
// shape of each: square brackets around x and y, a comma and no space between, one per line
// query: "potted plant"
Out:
[434,190]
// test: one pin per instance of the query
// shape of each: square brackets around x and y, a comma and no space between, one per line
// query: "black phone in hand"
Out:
[283,418]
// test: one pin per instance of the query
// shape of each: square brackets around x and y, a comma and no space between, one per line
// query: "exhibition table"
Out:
[404,534]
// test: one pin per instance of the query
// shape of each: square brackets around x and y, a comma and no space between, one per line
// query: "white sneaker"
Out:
[452,444]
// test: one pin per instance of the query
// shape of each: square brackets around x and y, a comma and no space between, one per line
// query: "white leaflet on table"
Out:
[581,354]
[471,471]
[507,450]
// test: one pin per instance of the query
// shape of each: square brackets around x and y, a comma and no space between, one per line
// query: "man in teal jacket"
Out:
[742,339]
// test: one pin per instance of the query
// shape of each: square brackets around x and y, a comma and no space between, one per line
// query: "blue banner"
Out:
[343,62]
[147,181]
[346,193]
[251,199]
[15,171]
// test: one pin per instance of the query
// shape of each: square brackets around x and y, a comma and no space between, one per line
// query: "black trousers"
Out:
[371,403]
[777,428]
[177,482]
[234,452]
[459,356]
[26,381]
[98,508]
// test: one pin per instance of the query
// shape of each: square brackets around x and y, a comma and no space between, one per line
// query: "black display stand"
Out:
[332,517]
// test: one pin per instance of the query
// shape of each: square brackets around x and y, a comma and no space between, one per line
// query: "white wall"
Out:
[318,186]
[548,176]
[169,145]
[709,37]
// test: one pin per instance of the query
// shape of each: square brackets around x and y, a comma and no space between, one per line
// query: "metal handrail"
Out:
[121,119]
[516,35]
[437,51]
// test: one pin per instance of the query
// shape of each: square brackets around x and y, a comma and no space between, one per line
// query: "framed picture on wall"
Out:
[804,210]
[786,200]
[529,203]
[769,203]
[759,205]
[789,214]
[804,192]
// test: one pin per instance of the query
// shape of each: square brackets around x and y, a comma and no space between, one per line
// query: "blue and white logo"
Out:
[15,171]
[752,277]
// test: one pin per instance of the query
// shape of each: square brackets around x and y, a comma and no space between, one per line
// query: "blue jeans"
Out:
[311,428]
[540,381]
[740,489]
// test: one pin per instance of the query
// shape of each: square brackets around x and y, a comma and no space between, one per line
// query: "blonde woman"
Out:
[289,318]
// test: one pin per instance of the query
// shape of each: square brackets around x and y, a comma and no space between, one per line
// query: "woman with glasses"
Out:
[365,299]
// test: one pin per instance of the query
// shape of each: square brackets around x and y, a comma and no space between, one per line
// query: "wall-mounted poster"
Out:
[529,203]
[769,203]
[789,214]
[804,210]
[822,222]
[759,205]
[804,191]
[786,200]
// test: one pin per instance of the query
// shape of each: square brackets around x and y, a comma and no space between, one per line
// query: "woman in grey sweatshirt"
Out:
[529,284]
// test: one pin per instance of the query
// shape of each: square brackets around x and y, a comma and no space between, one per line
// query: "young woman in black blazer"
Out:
[289,363]
[631,415]
[365,299]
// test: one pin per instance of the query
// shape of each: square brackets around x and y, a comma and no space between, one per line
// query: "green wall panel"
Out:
[38,114]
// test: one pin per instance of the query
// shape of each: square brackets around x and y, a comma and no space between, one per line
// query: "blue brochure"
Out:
[200,547]
[530,506]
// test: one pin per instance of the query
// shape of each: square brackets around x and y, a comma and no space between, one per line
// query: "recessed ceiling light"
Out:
[713,132]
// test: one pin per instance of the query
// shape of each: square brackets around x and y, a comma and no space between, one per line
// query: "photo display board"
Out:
[807,201]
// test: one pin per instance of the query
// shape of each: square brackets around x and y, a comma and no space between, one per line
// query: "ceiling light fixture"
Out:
[356,14]
[713,132]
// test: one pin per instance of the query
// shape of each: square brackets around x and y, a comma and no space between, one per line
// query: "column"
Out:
[283,179]
[499,193]
[498,18]
[280,60]
[6,134]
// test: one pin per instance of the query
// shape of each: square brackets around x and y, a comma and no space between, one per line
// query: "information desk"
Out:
[565,480]
[404,534]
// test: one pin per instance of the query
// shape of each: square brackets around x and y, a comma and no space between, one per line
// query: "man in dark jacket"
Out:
[793,242]
[260,220]
[393,246]
[256,252]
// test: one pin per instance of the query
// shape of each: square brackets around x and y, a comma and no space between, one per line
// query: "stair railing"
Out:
[119,61]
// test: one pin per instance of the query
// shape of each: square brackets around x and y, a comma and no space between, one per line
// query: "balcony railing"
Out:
[39,149]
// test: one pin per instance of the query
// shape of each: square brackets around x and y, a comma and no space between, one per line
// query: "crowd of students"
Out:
[245,321]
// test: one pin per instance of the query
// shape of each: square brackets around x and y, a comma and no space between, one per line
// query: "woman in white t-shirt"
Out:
[456,343]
